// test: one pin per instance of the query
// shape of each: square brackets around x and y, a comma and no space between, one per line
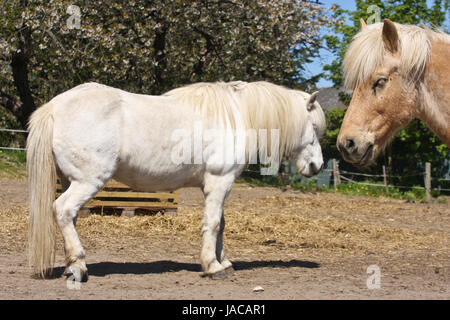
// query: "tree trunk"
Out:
[159,46]
[19,66]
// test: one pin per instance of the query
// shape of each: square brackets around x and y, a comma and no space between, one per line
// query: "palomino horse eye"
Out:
[379,84]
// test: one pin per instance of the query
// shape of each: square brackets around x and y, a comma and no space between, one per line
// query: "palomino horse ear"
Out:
[390,36]
[311,100]
[363,23]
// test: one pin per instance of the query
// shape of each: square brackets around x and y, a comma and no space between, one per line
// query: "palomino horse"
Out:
[397,72]
[92,133]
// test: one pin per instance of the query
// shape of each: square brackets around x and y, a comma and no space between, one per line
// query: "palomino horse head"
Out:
[384,95]
[308,156]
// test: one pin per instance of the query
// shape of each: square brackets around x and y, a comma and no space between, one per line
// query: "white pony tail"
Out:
[42,183]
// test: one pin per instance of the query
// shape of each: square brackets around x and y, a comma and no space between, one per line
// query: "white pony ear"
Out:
[311,100]
[239,85]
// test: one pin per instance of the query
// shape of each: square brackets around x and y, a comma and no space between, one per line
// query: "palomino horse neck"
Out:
[434,110]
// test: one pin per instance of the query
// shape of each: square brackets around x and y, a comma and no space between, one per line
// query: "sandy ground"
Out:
[409,243]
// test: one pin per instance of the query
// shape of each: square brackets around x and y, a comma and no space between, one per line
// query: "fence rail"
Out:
[11,148]
[13,131]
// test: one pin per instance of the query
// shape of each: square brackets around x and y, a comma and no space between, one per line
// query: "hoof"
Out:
[226,264]
[76,274]
[220,275]
[229,271]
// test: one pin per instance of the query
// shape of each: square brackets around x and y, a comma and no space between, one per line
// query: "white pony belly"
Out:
[139,180]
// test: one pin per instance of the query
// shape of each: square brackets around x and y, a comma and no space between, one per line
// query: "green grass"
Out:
[12,164]
[412,195]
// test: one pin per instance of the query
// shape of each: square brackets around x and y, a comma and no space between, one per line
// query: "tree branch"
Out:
[9,102]
[211,40]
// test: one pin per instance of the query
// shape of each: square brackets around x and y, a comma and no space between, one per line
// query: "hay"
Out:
[259,225]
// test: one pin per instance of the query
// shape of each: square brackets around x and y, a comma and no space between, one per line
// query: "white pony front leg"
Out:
[216,190]
[220,252]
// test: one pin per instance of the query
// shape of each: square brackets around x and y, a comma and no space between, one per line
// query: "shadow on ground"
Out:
[102,269]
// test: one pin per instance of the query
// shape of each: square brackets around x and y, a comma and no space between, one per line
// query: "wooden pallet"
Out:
[116,197]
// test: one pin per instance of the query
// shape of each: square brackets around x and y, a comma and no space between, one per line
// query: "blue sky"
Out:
[325,56]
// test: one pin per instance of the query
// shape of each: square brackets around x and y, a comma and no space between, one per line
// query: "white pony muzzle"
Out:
[309,160]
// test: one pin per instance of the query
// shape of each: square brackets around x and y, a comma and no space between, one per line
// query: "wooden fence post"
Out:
[338,173]
[428,181]
[384,177]
[336,176]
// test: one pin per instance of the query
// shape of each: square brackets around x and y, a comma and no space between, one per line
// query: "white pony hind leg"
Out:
[216,189]
[66,209]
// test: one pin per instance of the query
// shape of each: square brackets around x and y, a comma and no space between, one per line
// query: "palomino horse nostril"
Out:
[349,144]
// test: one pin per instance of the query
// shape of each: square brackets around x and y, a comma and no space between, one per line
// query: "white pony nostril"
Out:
[314,168]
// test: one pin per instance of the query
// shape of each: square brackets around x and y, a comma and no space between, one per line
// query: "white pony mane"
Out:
[367,50]
[261,105]
[315,113]
[215,101]
[268,106]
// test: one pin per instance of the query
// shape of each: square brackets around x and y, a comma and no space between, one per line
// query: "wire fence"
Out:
[381,175]
[350,181]
[346,177]
[427,179]
[335,172]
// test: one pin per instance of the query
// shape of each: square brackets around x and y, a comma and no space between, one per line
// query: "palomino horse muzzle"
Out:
[356,151]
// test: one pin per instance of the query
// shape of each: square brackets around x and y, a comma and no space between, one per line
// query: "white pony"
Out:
[93,132]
